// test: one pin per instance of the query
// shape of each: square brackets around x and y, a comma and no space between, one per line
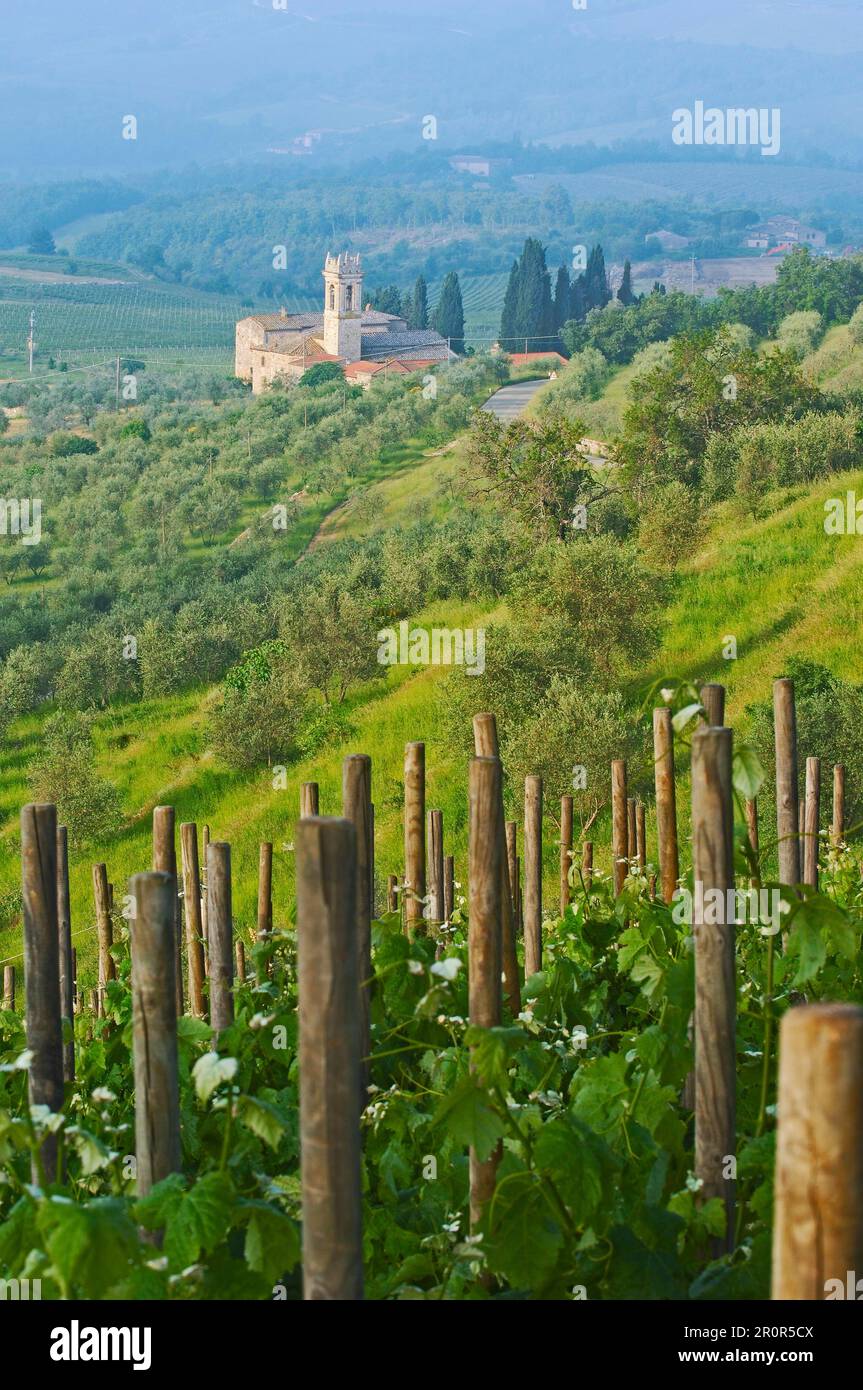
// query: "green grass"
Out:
[837,363]
[777,583]
[155,753]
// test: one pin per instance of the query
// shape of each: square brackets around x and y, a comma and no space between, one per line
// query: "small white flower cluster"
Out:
[552,1100]
[374,1113]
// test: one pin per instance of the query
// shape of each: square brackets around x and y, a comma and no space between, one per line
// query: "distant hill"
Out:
[215,79]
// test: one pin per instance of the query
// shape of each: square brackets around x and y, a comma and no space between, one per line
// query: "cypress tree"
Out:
[508,319]
[578,299]
[535,317]
[598,293]
[625,294]
[388,300]
[448,317]
[419,311]
[562,297]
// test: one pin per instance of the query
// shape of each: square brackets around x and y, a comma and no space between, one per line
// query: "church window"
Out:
[332,296]
[349,297]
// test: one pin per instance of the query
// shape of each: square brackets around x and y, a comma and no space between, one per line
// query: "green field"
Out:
[126,315]
[76,316]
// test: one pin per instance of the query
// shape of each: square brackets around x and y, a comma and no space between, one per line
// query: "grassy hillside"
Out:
[777,584]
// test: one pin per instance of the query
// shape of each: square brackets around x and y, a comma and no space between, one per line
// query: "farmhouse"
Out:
[784,231]
[362,340]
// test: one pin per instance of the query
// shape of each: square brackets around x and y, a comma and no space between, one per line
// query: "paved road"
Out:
[510,401]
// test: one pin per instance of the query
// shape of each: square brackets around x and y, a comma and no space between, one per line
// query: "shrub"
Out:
[757,458]
[65,773]
[801,332]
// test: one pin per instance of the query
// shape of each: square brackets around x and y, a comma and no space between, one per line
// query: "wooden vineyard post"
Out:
[219,912]
[265,890]
[715,994]
[532,876]
[666,801]
[165,862]
[565,852]
[194,925]
[752,824]
[415,815]
[434,860]
[641,836]
[713,700]
[619,824]
[308,799]
[518,908]
[372,912]
[9,988]
[787,815]
[240,955]
[511,836]
[392,893]
[485,885]
[631,830]
[811,822]
[356,808]
[486,746]
[64,928]
[42,972]
[104,930]
[448,887]
[154,1028]
[818,1215]
[265,905]
[587,865]
[837,832]
[329,999]
[205,936]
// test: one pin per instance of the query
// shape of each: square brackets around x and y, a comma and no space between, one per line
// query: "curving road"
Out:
[510,401]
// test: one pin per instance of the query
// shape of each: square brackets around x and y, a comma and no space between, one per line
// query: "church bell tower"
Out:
[343,307]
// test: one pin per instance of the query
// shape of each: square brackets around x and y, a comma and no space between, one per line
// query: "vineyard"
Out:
[76,317]
[414,1084]
[79,317]
[483,297]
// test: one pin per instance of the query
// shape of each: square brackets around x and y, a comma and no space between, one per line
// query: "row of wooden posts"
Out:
[819,1184]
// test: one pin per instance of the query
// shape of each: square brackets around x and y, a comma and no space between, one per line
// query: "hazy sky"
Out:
[209,79]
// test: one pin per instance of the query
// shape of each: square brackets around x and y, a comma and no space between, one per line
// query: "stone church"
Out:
[363,340]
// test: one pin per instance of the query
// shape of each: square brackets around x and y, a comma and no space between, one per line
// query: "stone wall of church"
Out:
[266,367]
[248,337]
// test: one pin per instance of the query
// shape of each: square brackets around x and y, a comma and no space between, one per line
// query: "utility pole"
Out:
[118,383]
[31,341]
